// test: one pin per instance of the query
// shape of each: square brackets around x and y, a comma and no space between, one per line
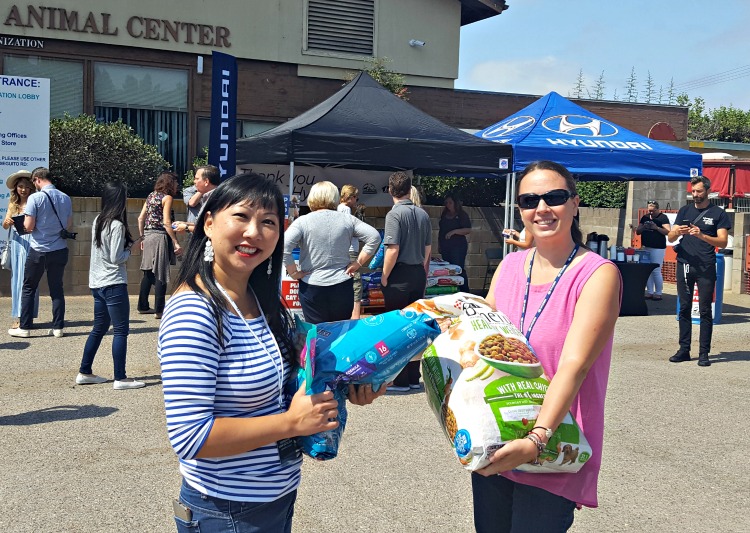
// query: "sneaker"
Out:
[415,386]
[56,333]
[648,296]
[89,379]
[657,297]
[128,383]
[680,356]
[397,388]
[19,332]
[703,360]
[146,312]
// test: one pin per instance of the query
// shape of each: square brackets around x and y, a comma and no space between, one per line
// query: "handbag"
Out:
[5,257]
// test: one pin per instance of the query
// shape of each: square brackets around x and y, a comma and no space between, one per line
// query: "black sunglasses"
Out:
[551,198]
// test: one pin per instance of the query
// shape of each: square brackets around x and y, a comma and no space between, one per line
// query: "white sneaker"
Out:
[19,332]
[83,379]
[128,383]
[56,333]
[398,388]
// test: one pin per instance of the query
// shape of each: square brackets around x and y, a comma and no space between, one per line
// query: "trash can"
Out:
[728,264]
[718,295]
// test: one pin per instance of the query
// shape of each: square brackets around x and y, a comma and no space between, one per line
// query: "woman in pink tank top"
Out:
[565,299]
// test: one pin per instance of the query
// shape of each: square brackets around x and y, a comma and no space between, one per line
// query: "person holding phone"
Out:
[523,240]
[703,227]
[111,243]
[653,229]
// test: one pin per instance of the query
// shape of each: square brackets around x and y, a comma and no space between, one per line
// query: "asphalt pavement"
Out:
[93,459]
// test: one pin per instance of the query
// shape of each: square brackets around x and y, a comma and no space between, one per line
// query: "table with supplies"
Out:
[634,278]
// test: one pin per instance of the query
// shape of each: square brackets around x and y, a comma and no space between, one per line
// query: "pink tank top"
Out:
[547,340]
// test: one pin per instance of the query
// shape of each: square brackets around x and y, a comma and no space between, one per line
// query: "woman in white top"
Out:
[226,353]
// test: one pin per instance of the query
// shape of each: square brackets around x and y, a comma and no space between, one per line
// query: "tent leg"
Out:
[291,180]
[509,192]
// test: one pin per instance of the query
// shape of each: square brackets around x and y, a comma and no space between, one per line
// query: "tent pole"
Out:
[507,210]
[291,181]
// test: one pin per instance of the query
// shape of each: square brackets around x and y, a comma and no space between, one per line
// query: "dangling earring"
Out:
[208,252]
[270,268]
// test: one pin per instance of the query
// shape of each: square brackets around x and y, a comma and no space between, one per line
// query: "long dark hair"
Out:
[114,207]
[570,183]
[458,207]
[258,192]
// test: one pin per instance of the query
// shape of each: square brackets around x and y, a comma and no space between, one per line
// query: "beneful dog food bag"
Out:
[486,386]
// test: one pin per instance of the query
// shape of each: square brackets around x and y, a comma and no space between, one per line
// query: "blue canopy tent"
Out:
[592,148]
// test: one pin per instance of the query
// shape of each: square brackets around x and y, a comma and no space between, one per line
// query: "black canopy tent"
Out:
[365,126]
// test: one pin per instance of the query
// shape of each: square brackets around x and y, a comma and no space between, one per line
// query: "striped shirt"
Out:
[203,382]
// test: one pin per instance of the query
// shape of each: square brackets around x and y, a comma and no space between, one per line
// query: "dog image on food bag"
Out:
[486,386]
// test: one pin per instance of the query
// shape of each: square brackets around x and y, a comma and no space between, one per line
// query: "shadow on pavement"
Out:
[14,345]
[730,314]
[730,357]
[56,414]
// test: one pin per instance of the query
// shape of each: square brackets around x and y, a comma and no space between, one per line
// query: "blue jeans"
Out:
[215,515]
[111,306]
[502,505]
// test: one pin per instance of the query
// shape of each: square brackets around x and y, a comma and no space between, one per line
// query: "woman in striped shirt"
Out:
[225,361]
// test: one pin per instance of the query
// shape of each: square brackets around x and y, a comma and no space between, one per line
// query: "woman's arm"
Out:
[525,244]
[142,219]
[593,324]
[166,214]
[117,252]
[371,239]
[189,354]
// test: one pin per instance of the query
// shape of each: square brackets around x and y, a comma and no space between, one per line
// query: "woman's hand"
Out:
[352,267]
[364,395]
[513,454]
[298,275]
[177,249]
[312,414]
[7,222]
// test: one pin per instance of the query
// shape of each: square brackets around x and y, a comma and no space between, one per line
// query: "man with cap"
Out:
[48,213]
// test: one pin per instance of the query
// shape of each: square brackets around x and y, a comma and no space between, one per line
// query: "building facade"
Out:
[149,63]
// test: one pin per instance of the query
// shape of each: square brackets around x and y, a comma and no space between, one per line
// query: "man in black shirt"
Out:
[703,228]
[653,229]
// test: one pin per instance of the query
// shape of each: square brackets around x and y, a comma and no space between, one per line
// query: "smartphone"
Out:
[686,222]
[182,512]
[506,234]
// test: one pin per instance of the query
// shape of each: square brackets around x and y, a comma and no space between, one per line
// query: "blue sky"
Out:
[537,46]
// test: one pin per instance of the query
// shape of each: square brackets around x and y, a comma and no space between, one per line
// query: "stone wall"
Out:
[487,225]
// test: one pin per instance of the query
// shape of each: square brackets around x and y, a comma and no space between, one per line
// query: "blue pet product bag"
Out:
[371,350]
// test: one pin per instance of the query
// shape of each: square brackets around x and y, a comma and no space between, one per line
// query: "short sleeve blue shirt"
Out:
[46,234]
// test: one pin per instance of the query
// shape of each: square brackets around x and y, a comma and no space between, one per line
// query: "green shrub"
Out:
[603,193]
[84,154]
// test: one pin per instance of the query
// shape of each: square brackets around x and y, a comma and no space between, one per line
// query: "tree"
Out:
[580,86]
[671,93]
[84,154]
[648,92]
[727,124]
[631,90]
[599,87]
[377,67]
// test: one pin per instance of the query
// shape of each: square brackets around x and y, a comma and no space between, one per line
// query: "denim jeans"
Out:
[36,264]
[504,506]
[215,515]
[111,306]
[687,278]
[160,291]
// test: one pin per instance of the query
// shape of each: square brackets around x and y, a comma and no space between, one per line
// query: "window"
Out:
[66,80]
[245,128]
[346,26]
[152,101]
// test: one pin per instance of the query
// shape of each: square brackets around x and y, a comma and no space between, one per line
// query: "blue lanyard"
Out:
[546,296]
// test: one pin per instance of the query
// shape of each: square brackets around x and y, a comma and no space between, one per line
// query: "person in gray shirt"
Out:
[49,213]
[326,288]
[408,245]
[111,243]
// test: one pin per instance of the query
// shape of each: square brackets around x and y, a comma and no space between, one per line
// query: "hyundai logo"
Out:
[508,127]
[579,126]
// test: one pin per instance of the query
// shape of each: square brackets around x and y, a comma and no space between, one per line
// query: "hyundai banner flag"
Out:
[223,135]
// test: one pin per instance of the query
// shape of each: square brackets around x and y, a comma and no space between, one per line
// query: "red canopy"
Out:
[719,176]
[742,180]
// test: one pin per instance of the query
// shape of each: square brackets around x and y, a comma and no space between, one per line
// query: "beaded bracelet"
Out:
[540,446]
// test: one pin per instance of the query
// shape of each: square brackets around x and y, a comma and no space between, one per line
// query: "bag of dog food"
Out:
[486,386]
